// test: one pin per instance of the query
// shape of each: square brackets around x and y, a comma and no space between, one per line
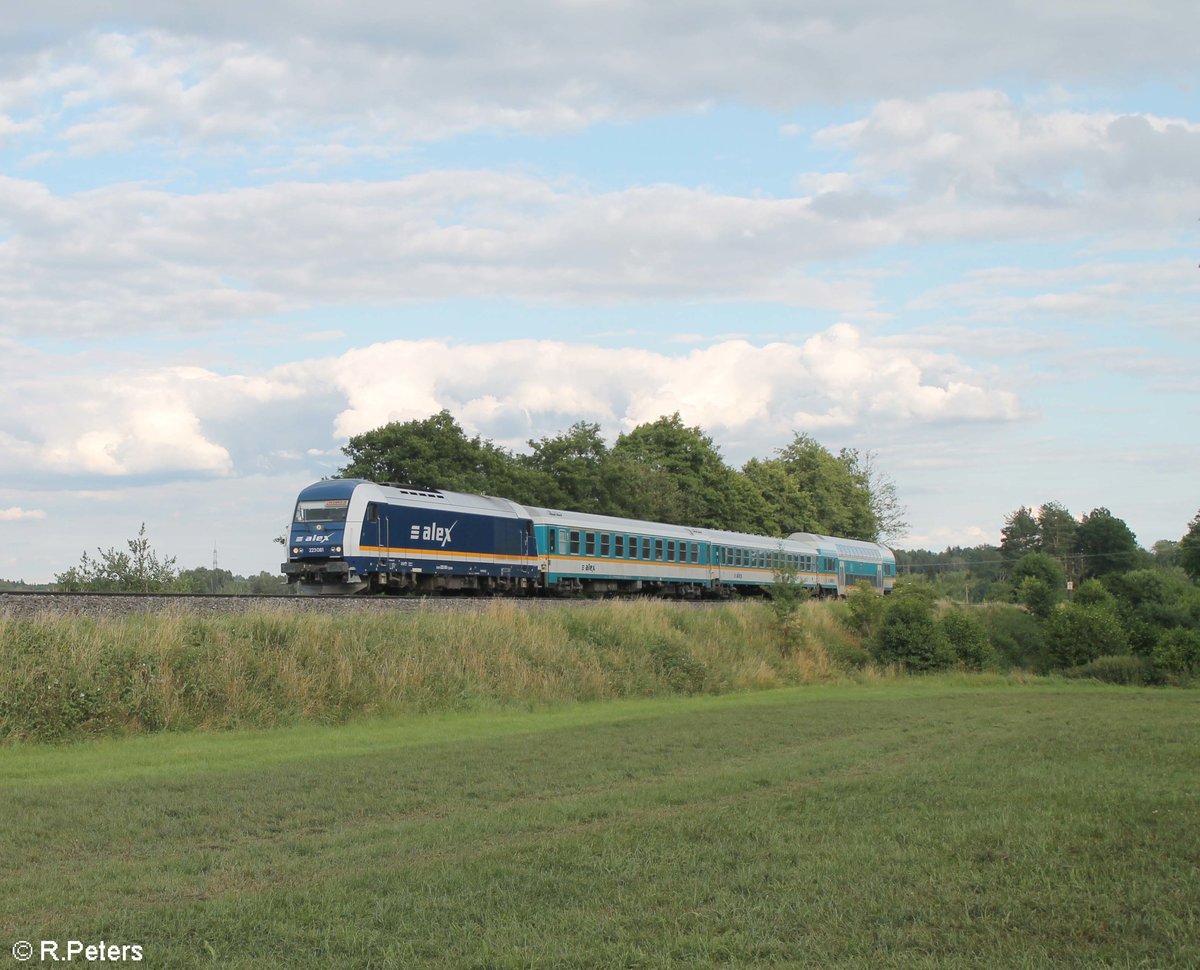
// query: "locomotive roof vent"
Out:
[423,491]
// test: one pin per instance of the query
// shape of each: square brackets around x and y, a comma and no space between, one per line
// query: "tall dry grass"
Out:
[67,677]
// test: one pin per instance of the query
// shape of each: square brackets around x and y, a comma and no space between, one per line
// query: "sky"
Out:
[964,237]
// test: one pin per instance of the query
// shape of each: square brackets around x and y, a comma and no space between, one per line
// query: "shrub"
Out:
[1092,592]
[909,634]
[864,610]
[1178,652]
[1080,634]
[678,668]
[1140,587]
[967,638]
[1017,638]
[1037,596]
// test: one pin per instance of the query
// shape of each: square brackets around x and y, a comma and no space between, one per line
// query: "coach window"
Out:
[658,549]
[574,543]
[633,547]
[589,543]
[552,541]
[605,544]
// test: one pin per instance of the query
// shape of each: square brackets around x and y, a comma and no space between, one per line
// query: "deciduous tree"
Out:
[1105,544]
[702,489]
[839,493]
[1056,534]
[1189,549]
[437,453]
[1019,536]
[572,465]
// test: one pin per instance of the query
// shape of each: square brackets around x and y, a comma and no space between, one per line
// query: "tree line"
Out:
[1062,593]
[661,471]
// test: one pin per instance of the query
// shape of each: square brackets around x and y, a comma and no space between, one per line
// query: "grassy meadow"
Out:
[927,822]
[625,785]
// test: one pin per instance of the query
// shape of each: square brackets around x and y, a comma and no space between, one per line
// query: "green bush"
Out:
[1178,652]
[848,656]
[1017,638]
[967,638]
[1092,592]
[677,666]
[1037,596]
[864,610]
[1080,634]
[1141,587]
[909,634]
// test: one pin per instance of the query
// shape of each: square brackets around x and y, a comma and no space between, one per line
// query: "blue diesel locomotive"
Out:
[354,536]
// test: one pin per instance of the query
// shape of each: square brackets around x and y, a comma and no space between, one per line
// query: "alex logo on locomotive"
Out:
[433,533]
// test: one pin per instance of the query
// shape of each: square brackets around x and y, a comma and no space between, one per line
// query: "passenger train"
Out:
[355,536]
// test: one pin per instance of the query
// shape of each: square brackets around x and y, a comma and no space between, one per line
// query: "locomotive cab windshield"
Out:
[330,510]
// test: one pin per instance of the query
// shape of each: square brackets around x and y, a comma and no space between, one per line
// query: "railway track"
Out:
[34,602]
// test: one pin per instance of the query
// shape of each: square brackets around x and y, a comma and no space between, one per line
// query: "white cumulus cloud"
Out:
[514,389]
[16,513]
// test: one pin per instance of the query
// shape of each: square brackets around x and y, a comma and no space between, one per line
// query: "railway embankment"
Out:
[96,666]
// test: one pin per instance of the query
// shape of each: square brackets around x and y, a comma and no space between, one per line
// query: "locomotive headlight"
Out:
[337,548]
[296,550]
